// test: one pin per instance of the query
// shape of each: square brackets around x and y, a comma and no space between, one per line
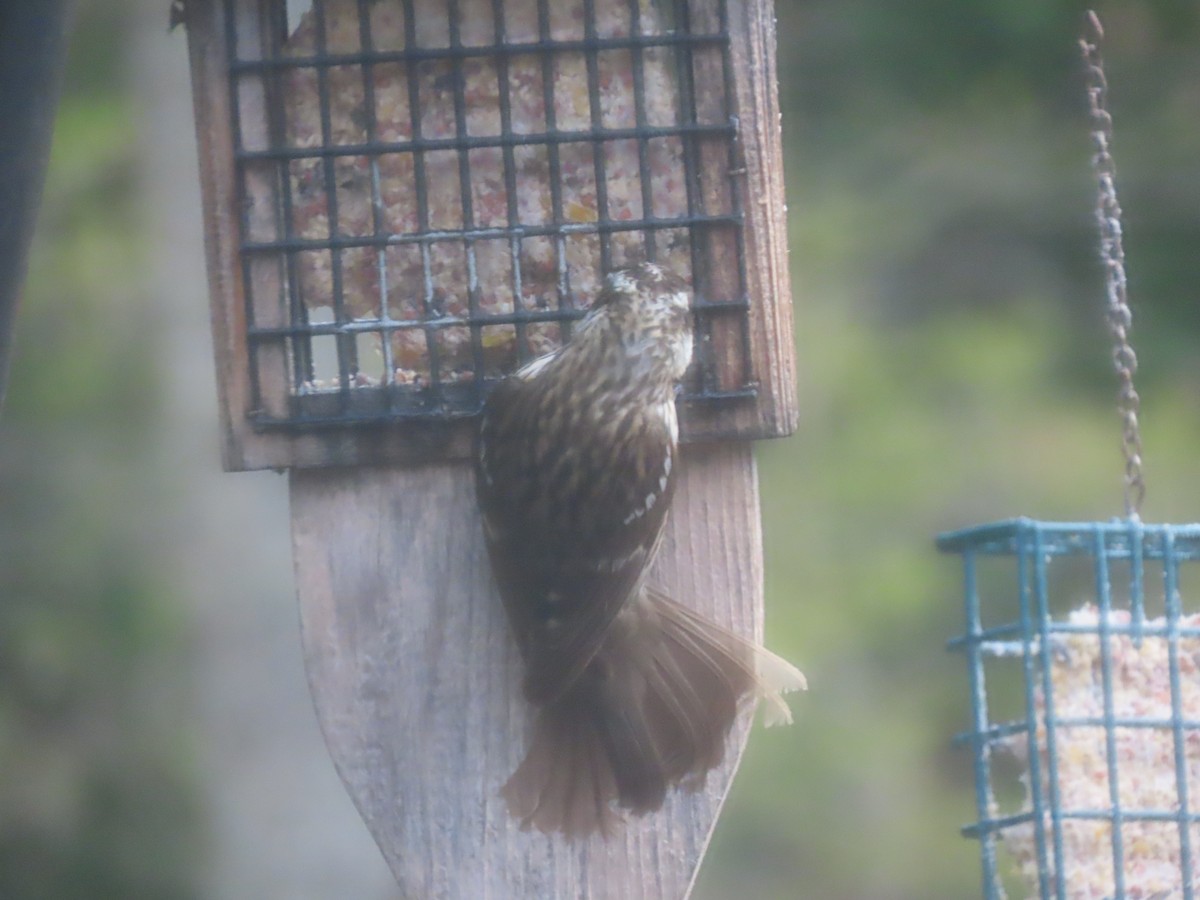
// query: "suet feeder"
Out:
[1085,729]
[407,198]
[404,201]
[1098,708]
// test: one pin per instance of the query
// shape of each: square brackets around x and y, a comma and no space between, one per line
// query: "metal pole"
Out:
[32,50]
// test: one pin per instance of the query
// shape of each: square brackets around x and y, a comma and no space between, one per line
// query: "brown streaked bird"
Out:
[576,466]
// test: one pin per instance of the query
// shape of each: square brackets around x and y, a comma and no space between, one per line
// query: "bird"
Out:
[576,462]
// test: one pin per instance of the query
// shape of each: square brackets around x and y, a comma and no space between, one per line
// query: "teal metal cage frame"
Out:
[1142,553]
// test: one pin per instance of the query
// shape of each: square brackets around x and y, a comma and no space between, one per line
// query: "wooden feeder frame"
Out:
[745,385]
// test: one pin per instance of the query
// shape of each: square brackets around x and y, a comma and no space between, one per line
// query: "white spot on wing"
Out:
[666,410]
[622,282]
[613,565]
[683,354]
[532,368]
[647,504]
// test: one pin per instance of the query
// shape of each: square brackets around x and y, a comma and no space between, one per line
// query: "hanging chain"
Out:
[1112,254]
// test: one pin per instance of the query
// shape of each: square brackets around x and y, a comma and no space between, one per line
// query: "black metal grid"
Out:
[1094,712]
[359,344]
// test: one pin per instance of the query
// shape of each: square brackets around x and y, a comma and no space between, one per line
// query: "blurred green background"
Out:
[155,736]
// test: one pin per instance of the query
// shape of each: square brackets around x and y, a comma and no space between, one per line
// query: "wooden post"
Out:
[417,683]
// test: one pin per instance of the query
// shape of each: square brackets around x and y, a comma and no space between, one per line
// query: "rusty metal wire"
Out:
[1112,254]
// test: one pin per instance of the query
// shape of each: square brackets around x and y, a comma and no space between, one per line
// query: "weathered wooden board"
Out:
[416,679]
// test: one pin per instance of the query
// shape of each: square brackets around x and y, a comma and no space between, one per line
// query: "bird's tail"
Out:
[652,710]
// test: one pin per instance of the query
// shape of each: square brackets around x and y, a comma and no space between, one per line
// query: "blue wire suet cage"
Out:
[1085,729]
[1083,662]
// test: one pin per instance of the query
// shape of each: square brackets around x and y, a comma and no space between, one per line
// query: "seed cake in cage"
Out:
[1096,712]
[498,184]
[1149,790]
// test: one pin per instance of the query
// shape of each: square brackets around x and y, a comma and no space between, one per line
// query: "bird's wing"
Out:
[573,514]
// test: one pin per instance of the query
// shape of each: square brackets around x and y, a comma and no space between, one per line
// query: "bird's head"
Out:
[647,308]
